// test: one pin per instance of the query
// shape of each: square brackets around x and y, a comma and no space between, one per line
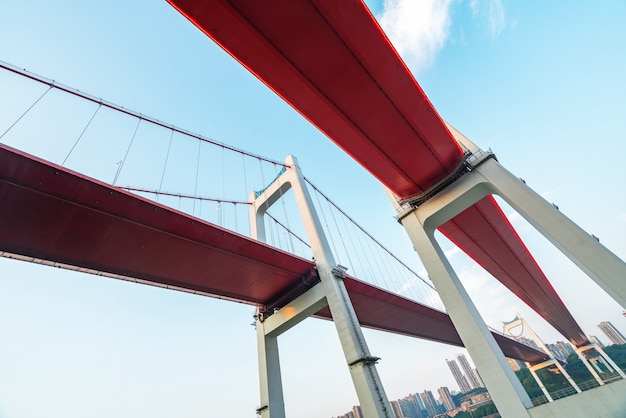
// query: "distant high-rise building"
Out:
[529,342]
[596,340]
[560,350]
[471,375]
[355,413]
[446,398]
[565,347]
[430,403]
[614,335]
[479,379]
[458,376]
[396,409]
[418,400]
[411,406]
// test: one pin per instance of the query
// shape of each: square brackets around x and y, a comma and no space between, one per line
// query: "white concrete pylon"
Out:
[270,382]
[555,363]
[507,392]
[580,351]
[533,372]
[488,177]
[268,330]
[361,363]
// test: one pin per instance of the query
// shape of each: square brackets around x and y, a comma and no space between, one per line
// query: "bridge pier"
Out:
[505,388]
[601,355]
[488,177]
[268,329]
[270,382]
[331,291]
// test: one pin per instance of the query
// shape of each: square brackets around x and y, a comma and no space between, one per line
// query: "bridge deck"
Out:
[332,63]
[52,214]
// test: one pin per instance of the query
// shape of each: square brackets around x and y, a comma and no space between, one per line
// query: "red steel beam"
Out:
[385,311]
[484,233]
[50,213]
[333,64]
[329,61]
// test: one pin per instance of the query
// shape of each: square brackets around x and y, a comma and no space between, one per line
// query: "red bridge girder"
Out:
[333,64]
[51,214]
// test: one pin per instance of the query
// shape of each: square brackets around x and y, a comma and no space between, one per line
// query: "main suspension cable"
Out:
[53,84]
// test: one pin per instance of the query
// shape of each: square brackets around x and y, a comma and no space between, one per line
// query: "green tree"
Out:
[527,380]
[485,410]
[617,352]
[552,380]
[577,370]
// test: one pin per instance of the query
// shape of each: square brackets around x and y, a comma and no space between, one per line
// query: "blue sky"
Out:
[538,83]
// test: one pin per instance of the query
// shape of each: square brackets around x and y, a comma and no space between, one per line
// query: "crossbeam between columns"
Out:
[488,177]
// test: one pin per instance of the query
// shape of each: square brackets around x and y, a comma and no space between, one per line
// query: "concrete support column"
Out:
[607,365]
[600,264]
[268,330]
[369,388]
[505,388]
[580,351]
[533,372]
[604,358]
[567,376]
[551,362]
[271,386]
[609,360]
[361,363]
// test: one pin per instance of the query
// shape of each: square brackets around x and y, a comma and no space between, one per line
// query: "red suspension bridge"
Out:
[406,146]
[67,210]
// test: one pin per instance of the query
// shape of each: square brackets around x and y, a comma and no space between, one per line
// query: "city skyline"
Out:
[418,401]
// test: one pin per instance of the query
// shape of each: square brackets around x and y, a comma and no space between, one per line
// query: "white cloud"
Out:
[622,218]
[494,11]
[514,217]
[452,251]
[417,29]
